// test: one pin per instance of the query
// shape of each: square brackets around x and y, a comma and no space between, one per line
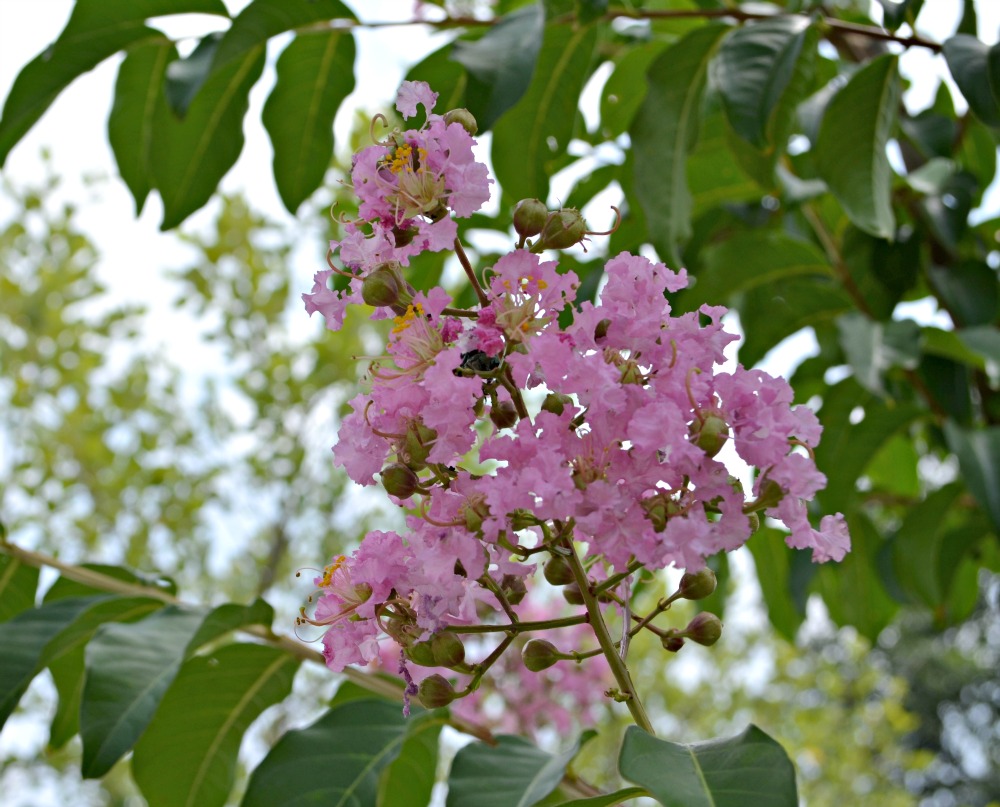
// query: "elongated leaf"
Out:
[501,62]
[625,88]
[772,559]
[262,19]
[18,584]
[753,69]
[315,75]
[229,617]
[184,77]
[409,780]
[512,773]
[130,127]
[65,587]
[335,762]
[538,128]
[187,755]
[129,667]
[749,768]
[978,452]
[24,641]
[609,800]
[190,157]
[67,675]
[975,67]
[850,149]
[917,545]
[663,133]
[873,348]
[96,30]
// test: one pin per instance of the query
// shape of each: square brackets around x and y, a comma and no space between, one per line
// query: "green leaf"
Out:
[67,675]
[538,128]
[608,800]
[65,587]
[873,348]
[664,131]
[335,762]
[975,67]
[129,667]
[409,780]
[130,125]
[968,290]
[978,452]
[262,19]
[96,30]
[190,157]
[18,584]
[184,77]
[512,773]
[851,146]
[187,755]
[749,768]
[772,559]
[984,340]
[625,88]
[501,62]
[916,546]
[753,69]
[315,75]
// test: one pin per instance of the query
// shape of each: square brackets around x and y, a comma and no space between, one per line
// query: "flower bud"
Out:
[447,649]
[513,588]
[399,480]
[403,236]
[421,653]
[417,444]
[435,691]
[705,629]
[572,594]
[521,519]
[754,522]
[710,433]
[697,585]
[504,414]
[463,118]
[556,403]
[769,496]
[601,331]
[562,229]
[539,654]
[529,217]
[384,286]
[672,643]
[474,510]
[558,571]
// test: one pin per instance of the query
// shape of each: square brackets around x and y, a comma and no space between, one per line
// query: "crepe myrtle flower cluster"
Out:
[535,427]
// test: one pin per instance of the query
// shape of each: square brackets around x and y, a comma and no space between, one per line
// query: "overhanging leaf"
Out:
[609,800]
[663,133]
[873,348]
[18,584]
[978,452]
[501,62]
[184,77]
[975,67]
[96,30]
[315,75]
[409,780]
[335,762]
[187,755]
[772,560]
[851,146]
[749,768]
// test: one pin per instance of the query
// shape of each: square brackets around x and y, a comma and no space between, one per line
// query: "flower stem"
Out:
[470,273]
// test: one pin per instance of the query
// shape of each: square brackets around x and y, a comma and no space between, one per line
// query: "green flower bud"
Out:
[556,403]
[384,286]
[403,236]
[399,480]
[504,414]
[558,571]
[562,229]
[754,522]
[705,629]
[710,433]
[601,330]
[697,585]
[513,588]
[672,643]
[417,444]
[421,653]
[474,511]
[529,217]
[539,654]
[463,118]
[572,595]
[770,494]
[521,519]
[447,649]
[436,691]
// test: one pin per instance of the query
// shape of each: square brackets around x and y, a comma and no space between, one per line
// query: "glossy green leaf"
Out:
[984,341]
[262,19]
[772,559]
[978,452]
[853,589]
[130,126]
[749,768]
[187,756]
[335,762]
[969,290]
[753,69]
[512,773]
[18,584]
[625,88]
[184,77]
[409,779]
[96,30]
[190,156]
[501,62]
[881,271]
[538,128]
[129,667]
[65,587]
[24,641]
[873,348]
[715,176]
[916,546]
[608,800]
[664,131]
[67,675]
[975,67]
[315,75]
[851,146]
